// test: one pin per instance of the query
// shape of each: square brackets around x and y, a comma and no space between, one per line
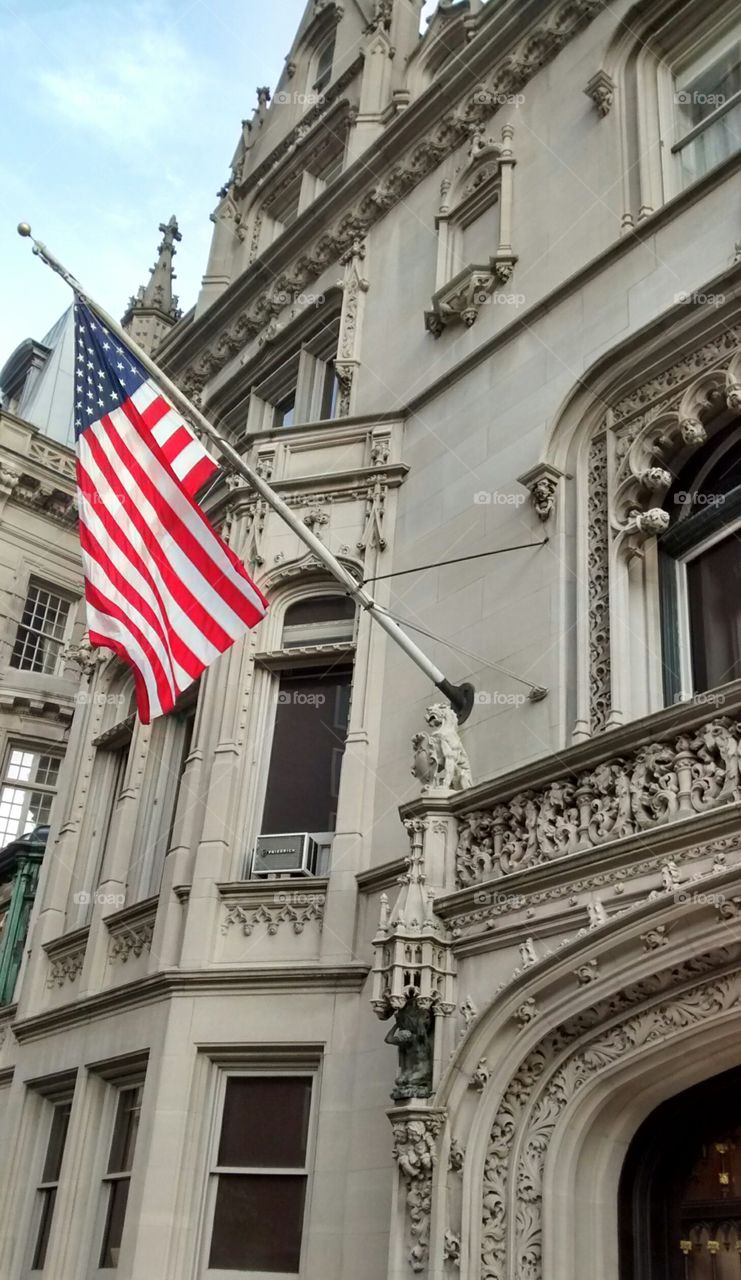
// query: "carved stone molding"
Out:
[600,89]
[298,915]
[416,1131]
[133,940]
[65,967]
[548,1079]
[460,301]
[673,777]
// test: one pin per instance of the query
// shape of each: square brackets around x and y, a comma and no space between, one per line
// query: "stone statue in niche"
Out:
[440,761]
[413,1035]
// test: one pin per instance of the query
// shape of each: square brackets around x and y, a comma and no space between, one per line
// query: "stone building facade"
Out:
[471,291]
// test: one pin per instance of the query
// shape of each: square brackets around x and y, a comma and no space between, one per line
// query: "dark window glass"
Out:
[285,412]
[120,1162]
[324,66]
[714,599]
[266,1122]
[308,742]
[330,390]
[114,1224]
[258,1222]
[50,1181]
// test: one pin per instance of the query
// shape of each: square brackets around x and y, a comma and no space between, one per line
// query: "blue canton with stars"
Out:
[106,373]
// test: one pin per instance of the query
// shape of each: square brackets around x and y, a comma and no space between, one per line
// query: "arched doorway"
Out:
[680,1187]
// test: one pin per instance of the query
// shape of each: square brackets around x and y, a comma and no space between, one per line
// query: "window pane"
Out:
[48,1200]
[711,147]
[118,1195]
[57,1139]
[714,593]
[310,726]
[258,1222]
[124,1134]
[265,1122]
[41,631]
[702,89]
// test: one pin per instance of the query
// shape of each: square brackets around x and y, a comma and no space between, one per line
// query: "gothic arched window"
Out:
[701,570]
[680,1187]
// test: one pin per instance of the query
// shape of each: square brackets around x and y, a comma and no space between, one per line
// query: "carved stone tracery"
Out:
[415,1152]
[654,784]
[549,1078]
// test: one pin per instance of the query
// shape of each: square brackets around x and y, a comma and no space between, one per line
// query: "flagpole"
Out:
[459,696]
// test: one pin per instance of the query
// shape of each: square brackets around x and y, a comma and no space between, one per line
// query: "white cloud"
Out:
[130,93]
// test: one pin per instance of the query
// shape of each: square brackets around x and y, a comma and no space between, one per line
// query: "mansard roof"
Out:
[41,376]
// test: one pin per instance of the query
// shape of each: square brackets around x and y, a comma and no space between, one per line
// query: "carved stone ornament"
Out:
[65,967]
[85,655]
[460,301]
[542,481]
[131,941]
[656,783]
[413,1035]
[415,1152]
[9,476]
[440,760]
[601,89]
[411,949]
[273,917]
[551,1075]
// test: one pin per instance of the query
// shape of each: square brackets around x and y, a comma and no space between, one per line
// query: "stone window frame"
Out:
[639,74]
[216,1064]
[107,1080]
[34,746]
[482,183]
[49,1094]
[269,664]
[296,365]
[64,597]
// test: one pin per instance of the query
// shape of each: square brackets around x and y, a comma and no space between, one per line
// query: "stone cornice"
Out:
[290,979]
[504,55]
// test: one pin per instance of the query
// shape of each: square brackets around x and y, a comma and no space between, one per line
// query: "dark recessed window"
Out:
[701,570]
[118,1174]
[41,631]
[324,62]
[50,1182]
[261,1173]
[285,411]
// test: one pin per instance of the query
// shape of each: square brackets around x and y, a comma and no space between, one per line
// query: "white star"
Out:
[89,411]
[81,359]
[119,351]
[78,404]
[119,365]
[106,346]
[133,368]
[113,395]
[90,364]
[101,402]
[90,395]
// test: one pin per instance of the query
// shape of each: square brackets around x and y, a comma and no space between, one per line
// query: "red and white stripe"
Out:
[162,588]
[190,462]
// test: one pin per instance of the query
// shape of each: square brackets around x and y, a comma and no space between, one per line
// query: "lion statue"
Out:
[440,761]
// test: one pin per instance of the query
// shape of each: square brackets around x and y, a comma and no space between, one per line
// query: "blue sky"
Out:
[112,117]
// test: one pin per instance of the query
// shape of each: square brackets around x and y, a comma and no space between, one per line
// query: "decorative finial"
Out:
[24,229]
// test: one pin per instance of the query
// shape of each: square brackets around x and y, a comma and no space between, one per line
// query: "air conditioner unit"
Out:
[292,854]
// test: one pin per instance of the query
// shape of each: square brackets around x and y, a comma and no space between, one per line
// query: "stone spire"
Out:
[155,309]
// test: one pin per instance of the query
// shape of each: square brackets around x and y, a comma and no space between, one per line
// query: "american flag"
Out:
[162,588]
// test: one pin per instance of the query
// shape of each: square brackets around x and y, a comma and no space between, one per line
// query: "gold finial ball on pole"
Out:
[24,229]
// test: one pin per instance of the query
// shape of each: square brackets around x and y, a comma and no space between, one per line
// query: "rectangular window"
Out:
[260,1175]
[284,413]
[28,787]
[118,1173]
[306,755]
[41,631]
[707,102]
[47,1189]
